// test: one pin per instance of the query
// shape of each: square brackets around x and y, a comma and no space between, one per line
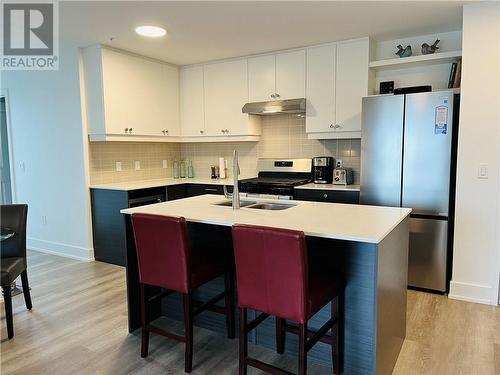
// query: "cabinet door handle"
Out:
[130,131]
[325,195]
[331,126]
[337,126]
[227,131]
[163,131]
[126,130]
[201,131]
[211,189]
[273,96]
[277,95]
[166,131]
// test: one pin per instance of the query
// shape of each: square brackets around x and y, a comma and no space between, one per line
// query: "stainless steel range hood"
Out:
[275,107]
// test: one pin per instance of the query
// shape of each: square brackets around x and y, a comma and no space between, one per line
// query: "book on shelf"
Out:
[458,75]
[453,71]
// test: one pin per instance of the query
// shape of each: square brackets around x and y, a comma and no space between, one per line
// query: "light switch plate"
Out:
[482,172]
[338,163]
[118,166]
[164,164]
[137,165]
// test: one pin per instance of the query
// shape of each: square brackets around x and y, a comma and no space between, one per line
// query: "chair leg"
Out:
[144,323]
[26,289]
[302,349]
[229,304]
[280,335]
[335,331]
[7,297]
[340,332]
[243,342]
[188,332]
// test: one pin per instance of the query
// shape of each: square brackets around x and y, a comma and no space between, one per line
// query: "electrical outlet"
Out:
[118,166]
[137,165]
[482,172]
[44,220]
[164,164]
[338,163]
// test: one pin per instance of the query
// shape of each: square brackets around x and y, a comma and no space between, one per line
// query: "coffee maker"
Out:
[323,169]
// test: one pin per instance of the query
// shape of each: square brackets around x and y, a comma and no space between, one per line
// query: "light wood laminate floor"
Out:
[78,325]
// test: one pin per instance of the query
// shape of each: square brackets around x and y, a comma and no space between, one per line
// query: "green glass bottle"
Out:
[190,169]
[183,169]
[176,169]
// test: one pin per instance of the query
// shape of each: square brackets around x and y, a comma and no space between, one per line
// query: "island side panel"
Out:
[392,281]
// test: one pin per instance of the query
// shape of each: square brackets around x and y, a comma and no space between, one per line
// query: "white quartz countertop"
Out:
[144,184]
[328,220]
[328,187]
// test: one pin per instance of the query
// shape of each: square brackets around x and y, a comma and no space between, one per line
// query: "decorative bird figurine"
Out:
[404,52]
[427,49]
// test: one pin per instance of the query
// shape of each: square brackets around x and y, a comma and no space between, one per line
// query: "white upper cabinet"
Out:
[291,75]
[261,78]
[226,91]
[320,107]
[130,96]
[351,83]
[277,77]
[337,80]
[192,102]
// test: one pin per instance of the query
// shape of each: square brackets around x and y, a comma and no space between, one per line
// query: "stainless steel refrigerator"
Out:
[408,153]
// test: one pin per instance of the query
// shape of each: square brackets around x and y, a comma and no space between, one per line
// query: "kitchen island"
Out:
[368,244]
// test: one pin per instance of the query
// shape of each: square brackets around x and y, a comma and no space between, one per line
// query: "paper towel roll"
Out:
[222,168]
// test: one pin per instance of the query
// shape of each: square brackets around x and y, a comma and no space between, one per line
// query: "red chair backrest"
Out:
[163,251]
[271,270]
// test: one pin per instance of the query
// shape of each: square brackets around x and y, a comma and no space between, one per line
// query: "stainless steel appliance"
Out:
[276,107]
[342,176]
[277,178]
[408,153]
[323,169]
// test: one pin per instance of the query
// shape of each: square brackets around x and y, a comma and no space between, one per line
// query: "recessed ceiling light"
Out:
[151,31]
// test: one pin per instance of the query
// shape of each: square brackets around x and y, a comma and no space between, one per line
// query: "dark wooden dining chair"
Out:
[273,278]
[167,260]
[13,257]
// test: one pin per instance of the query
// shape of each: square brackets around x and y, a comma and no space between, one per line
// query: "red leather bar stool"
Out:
[166,260]
[273,277]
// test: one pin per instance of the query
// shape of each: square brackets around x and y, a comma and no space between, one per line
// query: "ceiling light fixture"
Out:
[151,31]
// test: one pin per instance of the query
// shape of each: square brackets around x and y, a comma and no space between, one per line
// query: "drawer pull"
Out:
[211,189]
[325,195]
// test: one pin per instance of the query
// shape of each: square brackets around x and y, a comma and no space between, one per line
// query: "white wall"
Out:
[476,256]
[47,138]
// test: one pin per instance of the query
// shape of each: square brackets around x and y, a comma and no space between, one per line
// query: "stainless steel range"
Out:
[277,178]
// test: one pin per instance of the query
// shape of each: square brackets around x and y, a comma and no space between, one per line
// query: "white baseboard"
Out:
[61,249]
[471,293]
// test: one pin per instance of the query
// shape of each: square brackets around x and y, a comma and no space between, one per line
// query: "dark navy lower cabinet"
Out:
[330,196]
[108,224]
[192,190]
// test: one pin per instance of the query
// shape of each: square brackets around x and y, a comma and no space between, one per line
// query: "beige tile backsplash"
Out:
[104,155]
[283,136]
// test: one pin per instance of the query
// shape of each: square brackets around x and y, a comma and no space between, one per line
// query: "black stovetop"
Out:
[280,183]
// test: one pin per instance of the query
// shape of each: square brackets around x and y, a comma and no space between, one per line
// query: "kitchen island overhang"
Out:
[368,244]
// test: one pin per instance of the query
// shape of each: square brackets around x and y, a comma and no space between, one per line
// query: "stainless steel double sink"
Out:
[258,205]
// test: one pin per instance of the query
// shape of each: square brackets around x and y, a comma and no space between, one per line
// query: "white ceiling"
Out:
[203,31]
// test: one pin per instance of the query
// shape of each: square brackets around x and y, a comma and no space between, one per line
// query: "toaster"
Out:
[342,176]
